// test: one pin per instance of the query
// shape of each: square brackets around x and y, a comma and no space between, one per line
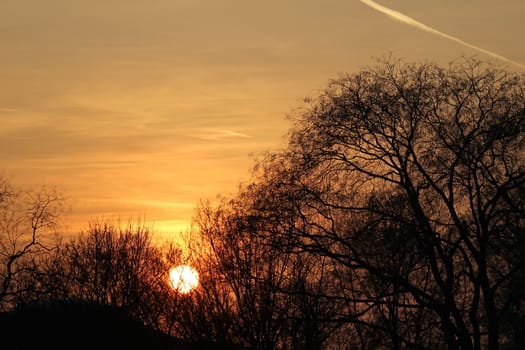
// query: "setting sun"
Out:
[184,278]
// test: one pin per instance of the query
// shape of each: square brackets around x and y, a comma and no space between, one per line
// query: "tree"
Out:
[410,179]
[272,294]
[27,219]
[111,265]
[205,315]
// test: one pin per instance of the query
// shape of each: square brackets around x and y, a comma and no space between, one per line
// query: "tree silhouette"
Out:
[409,178]
[273,294]
[27,219]
[112,265]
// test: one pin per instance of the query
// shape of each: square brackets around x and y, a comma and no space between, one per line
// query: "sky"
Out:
[143,108]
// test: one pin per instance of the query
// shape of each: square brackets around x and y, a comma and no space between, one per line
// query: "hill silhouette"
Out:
[82,325]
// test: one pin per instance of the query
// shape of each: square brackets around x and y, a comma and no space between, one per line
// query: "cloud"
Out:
[414,23]
[214,135]
[8,110]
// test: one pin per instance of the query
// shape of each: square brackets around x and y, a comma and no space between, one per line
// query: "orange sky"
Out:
[141,108]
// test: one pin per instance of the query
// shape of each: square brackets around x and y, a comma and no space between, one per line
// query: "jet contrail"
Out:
[410,21]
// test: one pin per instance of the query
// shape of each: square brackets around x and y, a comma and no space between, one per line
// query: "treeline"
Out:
[394,219]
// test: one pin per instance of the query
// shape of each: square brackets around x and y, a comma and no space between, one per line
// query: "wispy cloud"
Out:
[8,110]
[419,25]
[214,135]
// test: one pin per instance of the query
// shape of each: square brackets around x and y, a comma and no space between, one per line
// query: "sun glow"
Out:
[184,278]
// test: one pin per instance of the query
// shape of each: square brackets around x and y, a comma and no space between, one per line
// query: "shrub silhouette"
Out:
[78,325]
[82,325]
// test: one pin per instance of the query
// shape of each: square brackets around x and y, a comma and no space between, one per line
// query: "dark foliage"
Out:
[83,325]
[78,325]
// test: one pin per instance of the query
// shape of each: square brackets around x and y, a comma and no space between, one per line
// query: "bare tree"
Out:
[27,219]
[274,294]
[115,265]
[410,179]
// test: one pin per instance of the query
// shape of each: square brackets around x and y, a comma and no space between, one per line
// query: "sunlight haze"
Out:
[142,108]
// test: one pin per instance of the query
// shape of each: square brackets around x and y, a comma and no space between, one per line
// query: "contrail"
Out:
[410,21]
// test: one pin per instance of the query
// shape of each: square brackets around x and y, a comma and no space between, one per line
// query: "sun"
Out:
[184,278]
